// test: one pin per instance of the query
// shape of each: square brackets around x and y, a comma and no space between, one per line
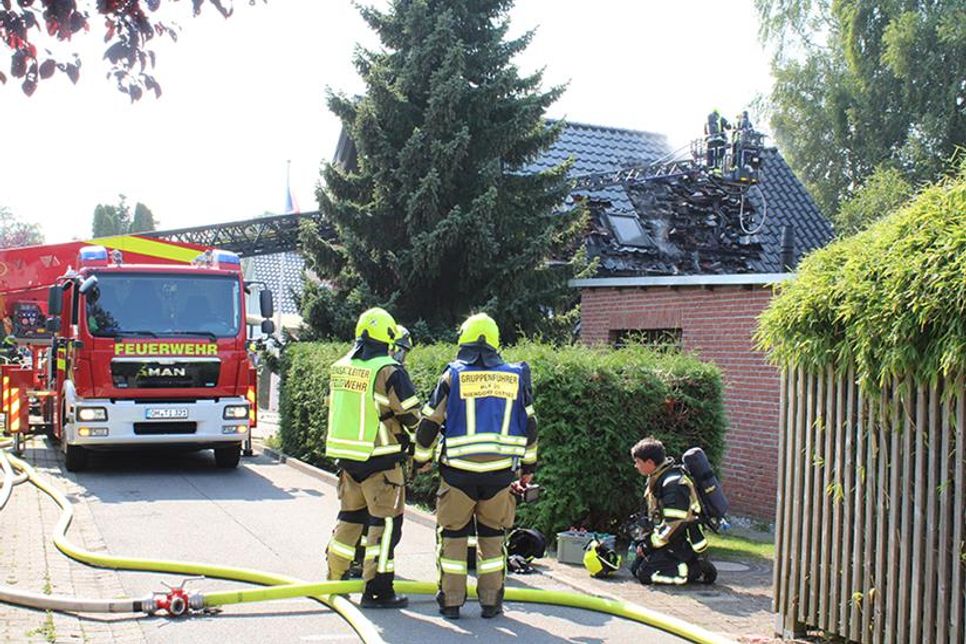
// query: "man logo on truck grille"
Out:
[163,372]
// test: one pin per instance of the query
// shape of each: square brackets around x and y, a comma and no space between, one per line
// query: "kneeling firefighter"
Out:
[483,409]
[672,553]
[371,403]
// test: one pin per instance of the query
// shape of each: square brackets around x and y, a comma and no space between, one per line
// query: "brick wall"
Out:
[717,324]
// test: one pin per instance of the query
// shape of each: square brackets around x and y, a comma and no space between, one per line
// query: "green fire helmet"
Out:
[376,324]
[480,328]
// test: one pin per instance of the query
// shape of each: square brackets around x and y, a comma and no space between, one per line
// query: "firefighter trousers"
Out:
[675,564]
[494,508]
[374,506]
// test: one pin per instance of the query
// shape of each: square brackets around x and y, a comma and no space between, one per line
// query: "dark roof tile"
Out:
[282,272]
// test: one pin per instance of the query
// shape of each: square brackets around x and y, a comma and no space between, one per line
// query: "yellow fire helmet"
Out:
[600,560]
[480,327]
[376,324]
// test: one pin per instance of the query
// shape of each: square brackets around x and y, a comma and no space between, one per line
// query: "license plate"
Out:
[166,414]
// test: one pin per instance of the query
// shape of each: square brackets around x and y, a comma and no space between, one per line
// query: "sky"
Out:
[245,96]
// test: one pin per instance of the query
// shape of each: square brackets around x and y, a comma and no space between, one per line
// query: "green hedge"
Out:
[891,299]
[592,405]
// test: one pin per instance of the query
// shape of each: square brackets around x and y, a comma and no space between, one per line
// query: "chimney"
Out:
[788,249]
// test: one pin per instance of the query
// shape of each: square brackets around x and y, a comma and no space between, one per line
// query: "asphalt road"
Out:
[272,517]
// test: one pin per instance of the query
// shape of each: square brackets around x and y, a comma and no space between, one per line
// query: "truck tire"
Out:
[75,457]
[227,457]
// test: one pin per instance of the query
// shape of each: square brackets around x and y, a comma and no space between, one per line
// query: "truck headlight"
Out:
[91,413]
[235,412]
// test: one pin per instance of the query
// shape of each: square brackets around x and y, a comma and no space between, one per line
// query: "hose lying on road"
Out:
[282,587]
[346,609]
[573,600]
[9,478]
[72,604]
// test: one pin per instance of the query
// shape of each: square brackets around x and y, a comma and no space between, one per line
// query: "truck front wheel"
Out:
[228,457]
[75,457]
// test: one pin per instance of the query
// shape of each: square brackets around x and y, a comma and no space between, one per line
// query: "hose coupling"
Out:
[177,601]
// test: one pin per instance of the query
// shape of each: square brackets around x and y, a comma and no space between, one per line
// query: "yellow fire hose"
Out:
[573,600]
[330,593]
[346,609]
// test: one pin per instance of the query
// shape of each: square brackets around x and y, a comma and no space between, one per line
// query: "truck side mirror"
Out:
[52,324]
[266,303]
[268,327]
[55,300]
[88,284]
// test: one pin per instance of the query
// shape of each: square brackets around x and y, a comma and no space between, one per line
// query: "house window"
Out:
[658,338]
[629,231]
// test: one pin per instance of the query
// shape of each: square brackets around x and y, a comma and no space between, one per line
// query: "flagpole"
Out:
[289,201]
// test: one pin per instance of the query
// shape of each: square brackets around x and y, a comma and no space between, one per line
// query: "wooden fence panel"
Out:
[913,525]
[855,547]
[779,567]
[874,499]
[872,511]
[876,512]
[827,459]
[885,628]
[794,551]
[835,573]
[788,499]
[945,546]
[807,471]
[816,459]
[926,537]
[903,414]
[956,633]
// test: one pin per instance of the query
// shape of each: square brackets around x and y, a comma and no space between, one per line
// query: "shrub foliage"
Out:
[891,299]
[592,405]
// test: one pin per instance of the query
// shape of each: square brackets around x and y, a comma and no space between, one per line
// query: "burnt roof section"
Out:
[690,223]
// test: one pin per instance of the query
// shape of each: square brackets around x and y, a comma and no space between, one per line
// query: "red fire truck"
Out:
[128,342]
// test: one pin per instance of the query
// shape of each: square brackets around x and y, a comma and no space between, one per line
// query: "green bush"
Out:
[891,299]
[592,405]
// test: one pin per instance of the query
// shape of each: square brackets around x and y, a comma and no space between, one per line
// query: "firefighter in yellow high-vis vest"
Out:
[482,413]
[373,409]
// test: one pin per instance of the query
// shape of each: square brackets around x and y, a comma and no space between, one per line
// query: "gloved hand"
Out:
[518,486]
[645,547]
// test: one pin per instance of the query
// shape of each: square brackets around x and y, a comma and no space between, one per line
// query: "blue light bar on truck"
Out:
[214,258]
[92,256]
[226,257]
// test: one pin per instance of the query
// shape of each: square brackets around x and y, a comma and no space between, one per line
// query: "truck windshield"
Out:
[157,305]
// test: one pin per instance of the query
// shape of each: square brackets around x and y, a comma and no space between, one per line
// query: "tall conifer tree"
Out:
[438,217]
